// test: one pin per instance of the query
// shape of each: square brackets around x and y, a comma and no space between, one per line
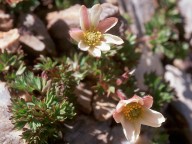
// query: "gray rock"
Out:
[59,24]
[182,83]
[69,16]
[7,134]
[9,40]
[6,21]
[109,10]
[183,65]
[140,12]
[114,2]
[87,131]
[117,136]
[34,35]
[185,8]
[84,98]
[103,107]
[148,62]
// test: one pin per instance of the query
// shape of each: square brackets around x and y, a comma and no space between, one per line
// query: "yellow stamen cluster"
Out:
[132,111]
[92,37]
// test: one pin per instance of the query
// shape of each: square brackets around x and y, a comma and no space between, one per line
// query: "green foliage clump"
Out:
[45,63]
[25,6]
[61,4]
[159,89]
[164,33]
[28,82]
[49,96]
[41,119]
[160,137]
[11,65]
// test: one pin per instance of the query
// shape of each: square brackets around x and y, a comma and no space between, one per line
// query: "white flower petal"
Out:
[112,39]
[95,14]
[120,105]
[104,46]
[152,118]
[95,52]
[118,117]
[82,46]
[131,130]
[76,34]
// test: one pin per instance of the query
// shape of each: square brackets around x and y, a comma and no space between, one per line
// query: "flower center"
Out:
[132,111]
[92,37]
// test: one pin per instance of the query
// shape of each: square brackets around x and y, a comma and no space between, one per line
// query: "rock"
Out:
[117,136]
[182,83]
[6,22]
[183,64]
[34,35]
[84,98]
[176,126]
[69,16]
[140,11]
[143,139]
[7,134]
[109,10]
[86,130]
[148,62]
[103,107]
[59,24]
[114,2]
[9,40]
[47,3]
[185,7]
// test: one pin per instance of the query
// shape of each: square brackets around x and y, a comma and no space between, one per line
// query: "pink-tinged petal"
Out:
[76,34]
[138,99]
[131,130]
[82,46]
[148,101]
[152,118]
[104,47]
[118,117]
[95,14]
[109,38]
[107,24]
[120,105]
[120,94]
[95,52]
[84,18]
[123,103]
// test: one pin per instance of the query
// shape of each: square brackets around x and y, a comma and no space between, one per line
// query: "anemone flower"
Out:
[135,111]
[92,36]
